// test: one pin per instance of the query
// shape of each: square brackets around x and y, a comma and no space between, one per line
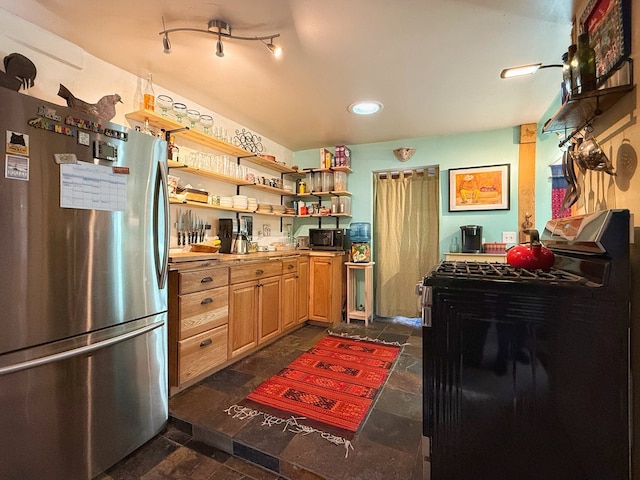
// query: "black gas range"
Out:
[526,372]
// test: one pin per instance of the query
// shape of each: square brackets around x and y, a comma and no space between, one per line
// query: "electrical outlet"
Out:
[509,237]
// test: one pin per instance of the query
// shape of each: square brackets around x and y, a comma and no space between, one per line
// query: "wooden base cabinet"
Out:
[302,293]
[269,325]
[243,328]
[326,288]
[254,306]
[198,318]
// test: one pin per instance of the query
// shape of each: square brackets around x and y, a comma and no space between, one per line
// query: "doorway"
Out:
[405,236]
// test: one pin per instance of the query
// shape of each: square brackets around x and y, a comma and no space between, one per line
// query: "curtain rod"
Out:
[431,171]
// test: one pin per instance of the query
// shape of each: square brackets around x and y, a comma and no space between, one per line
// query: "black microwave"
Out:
[326,238]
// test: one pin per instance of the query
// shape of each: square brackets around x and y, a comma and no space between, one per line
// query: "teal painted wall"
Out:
[454,151]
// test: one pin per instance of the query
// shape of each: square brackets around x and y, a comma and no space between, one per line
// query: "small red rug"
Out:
[334,382]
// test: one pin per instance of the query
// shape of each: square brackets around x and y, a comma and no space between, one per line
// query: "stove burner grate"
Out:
[502,271]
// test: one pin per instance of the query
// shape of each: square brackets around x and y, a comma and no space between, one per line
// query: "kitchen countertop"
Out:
[226,258]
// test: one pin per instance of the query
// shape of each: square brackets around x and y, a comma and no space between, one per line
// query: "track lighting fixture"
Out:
[524,70]
[221,29]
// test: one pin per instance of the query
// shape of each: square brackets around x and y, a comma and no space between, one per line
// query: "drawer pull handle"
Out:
[289,266]
[206,301]
[206,342]
[259,271]
[206,280]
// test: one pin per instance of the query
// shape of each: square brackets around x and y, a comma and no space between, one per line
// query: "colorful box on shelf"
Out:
[326,158]
[342,156]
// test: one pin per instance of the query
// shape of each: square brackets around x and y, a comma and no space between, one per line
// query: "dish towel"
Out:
[558,190]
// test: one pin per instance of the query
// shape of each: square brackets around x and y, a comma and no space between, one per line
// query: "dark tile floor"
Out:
[201,441]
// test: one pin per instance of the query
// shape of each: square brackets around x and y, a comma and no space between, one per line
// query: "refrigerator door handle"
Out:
[85,349]
[162,266]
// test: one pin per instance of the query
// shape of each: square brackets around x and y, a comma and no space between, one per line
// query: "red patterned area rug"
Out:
[333,384]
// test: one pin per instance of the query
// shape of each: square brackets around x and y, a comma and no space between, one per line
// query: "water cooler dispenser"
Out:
[360,237]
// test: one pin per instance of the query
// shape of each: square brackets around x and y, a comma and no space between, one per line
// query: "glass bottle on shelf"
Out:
[149,96]
[586,65]
[568,71]
[453,246]
[172,149]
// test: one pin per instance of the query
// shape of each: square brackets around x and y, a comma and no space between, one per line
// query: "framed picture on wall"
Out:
[608,23]
[479,188]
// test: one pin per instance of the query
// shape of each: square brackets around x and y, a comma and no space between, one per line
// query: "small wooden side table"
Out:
[352,308]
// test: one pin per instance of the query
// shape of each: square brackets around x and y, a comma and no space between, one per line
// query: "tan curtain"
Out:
[406,236]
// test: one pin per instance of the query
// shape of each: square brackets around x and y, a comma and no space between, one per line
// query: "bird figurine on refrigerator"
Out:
[104,109]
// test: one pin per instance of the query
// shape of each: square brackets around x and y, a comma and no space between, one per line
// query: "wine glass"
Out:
[165,102]
[207,122]
[179,110]
[194,117]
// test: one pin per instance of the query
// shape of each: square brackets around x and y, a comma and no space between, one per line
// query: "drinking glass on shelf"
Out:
[165,102]
[179,110]
[206,121]
[194,117]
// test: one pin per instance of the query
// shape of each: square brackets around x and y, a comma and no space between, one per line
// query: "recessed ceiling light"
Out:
[365,108]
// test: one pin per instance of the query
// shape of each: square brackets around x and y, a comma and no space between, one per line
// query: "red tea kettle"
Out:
[532,256]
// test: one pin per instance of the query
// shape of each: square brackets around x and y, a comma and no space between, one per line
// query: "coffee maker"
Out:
[225,233]
[233,235]
[240,241]
[471,238]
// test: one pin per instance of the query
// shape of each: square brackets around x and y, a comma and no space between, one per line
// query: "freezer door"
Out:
[67,271]
[74,408]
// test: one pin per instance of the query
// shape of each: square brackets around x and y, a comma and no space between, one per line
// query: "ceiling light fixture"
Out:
[524,70]
[366,107]
[220,29]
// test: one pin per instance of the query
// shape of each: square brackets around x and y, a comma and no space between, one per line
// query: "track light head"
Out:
[275,50]
[219,48]
[166,43]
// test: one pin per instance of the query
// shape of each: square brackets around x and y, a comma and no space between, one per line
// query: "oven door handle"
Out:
[425,299]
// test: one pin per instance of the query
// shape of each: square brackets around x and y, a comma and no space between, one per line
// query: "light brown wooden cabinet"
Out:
[254,305]
[302,293]
[198,318]
[243,328]
[269,319]
[326,288]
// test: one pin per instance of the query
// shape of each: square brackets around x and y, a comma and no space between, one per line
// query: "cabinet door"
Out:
[289,300]
[269,325]
[242,317]
[303,290]
[320,270]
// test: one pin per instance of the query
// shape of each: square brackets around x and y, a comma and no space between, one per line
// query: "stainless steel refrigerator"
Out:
[83,296]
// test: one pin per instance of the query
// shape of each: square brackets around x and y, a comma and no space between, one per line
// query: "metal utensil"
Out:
[179,227]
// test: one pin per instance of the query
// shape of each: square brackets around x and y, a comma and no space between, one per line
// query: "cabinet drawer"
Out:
[256,271]
[203,311]
[201,353]
[289,265]
[203,280]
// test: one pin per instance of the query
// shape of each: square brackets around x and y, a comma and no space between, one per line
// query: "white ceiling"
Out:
[434,64]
